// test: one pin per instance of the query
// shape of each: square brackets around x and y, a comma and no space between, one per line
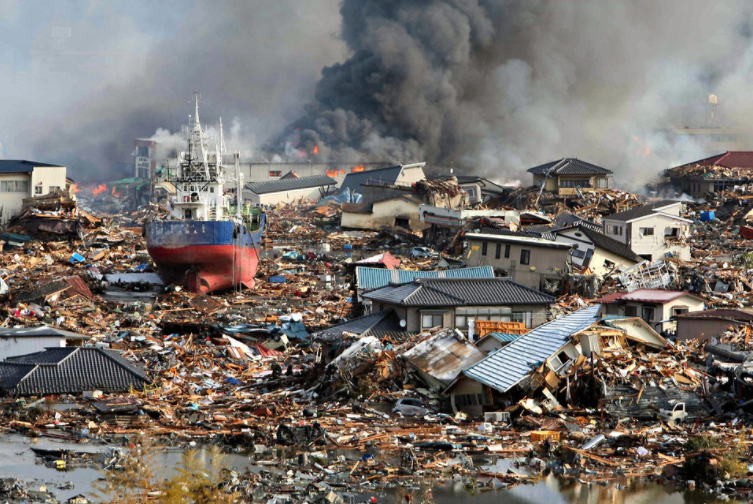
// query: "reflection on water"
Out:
[18,461]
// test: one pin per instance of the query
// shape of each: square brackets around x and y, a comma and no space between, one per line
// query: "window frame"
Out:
[525,257]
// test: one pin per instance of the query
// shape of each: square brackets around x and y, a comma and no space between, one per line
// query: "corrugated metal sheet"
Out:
[444,355]
[375,278]
[503,369]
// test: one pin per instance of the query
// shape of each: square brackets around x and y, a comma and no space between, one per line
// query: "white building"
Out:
[20,179]
[652,231]
[286,190]
[26,340]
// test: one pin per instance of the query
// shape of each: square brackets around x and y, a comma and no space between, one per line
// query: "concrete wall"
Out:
[10,347]
[545,262]
[384,213]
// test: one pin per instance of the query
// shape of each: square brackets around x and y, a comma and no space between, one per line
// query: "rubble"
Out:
[289,365]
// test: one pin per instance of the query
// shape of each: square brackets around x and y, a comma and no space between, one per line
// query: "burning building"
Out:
[713,174]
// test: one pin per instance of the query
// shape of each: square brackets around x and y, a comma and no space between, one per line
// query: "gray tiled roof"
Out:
[21,165]
[376,324]
[503,369]
[569,166]
[290,184]
[373,278]
[459,292]
[641,211]
[70,371]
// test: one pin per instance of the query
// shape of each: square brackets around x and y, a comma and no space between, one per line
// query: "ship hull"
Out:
[204,256]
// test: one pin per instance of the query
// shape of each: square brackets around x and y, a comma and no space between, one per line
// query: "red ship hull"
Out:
[207,268]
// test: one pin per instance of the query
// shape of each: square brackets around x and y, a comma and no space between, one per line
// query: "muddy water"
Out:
[18,461]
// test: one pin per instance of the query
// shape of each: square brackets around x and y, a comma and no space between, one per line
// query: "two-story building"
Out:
[21,179]
[595,251]
[568,175]
[652,231]
[527,260]
[458,303]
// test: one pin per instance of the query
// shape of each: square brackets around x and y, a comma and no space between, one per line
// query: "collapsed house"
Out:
[70,371]
[713,174]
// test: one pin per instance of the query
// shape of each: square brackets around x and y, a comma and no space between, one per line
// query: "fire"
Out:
[316,150]
[332,173]
[99,189]
[116,193]
[74,189]
[358,168]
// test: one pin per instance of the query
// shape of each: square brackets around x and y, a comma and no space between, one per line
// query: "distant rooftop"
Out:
[569,166]
[657,296]
[641,211]
[290,184]
[729,159]
[22,166]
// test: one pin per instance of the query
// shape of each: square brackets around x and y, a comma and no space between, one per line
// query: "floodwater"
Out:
[18,461]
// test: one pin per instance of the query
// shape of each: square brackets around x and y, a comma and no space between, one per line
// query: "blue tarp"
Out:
[345,197]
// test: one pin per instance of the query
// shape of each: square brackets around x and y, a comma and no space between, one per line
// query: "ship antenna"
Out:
[222,139]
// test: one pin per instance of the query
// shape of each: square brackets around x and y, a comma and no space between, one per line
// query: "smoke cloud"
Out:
[488,86]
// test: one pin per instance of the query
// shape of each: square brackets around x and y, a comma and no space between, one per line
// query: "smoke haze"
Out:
[489,86]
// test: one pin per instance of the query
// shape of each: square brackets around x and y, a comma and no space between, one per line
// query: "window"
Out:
[461,321]
[631,311]
[54,188]
[679,309]
[525,256]
[484,248]
[462,400]
[498,252]
[671,231]
[187,213]
[609,264]
[563,357]
[575,183]
[143,151]
[525,317]
[646,231]
[38,190]
[603,182]
[507,251]
[211,189]
[579,254]
[14,186]
[275,173]
[429,320]
[647,314]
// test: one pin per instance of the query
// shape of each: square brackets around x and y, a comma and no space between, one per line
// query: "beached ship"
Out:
[210,240]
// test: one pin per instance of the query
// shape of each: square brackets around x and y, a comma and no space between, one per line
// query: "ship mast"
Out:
[199,135]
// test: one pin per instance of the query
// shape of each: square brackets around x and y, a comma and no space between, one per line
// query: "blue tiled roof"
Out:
[504,337]
[376,278]
[503,369]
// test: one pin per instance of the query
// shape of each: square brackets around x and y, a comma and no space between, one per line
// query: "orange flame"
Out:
[332,173]
[116,193]
[99,189]
[74,189]
[316,150]
[358,168]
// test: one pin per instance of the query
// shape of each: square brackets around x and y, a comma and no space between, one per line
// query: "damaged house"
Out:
[713,174]
[653,231]
[25,340]
[440,358]
[72,370]
[372,184]
[567,176]
[288,189]
[458,303]
[534,262]
[657,307]
[547,348]
[596,252]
